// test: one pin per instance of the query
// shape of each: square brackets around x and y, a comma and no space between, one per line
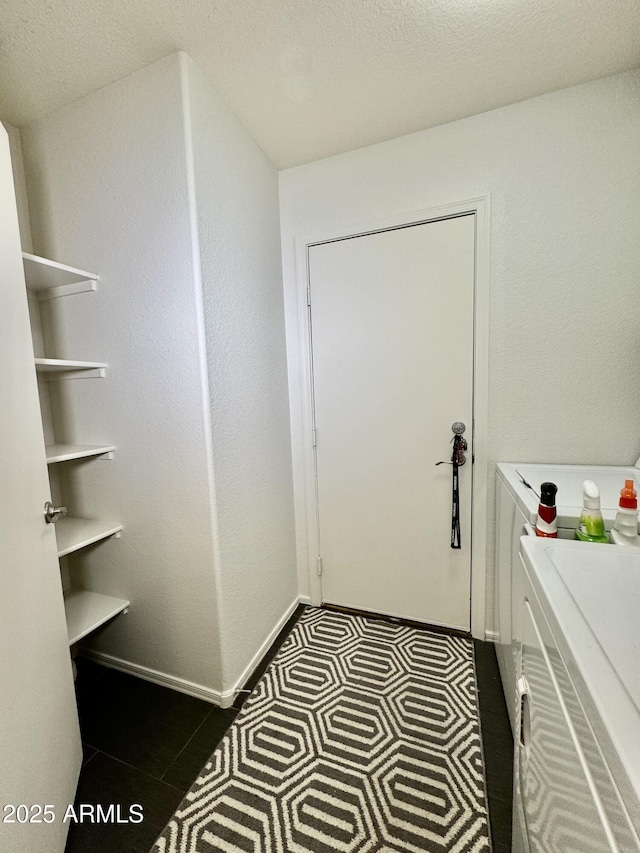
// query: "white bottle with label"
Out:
[625,528]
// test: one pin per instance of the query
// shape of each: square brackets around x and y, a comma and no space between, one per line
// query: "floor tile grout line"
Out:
[195,732]
[95,752]
[138,770]
[159,778]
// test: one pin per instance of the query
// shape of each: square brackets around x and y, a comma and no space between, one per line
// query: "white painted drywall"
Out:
[563,173]
[236,189]
[107,181]
[153,183]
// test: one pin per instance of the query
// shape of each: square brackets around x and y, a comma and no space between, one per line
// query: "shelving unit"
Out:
[68,452]
[85,610]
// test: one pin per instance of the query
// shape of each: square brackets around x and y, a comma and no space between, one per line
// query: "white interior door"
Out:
[392,342]
[40,750]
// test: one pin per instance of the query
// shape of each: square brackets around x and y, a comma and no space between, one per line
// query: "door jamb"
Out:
[479,206]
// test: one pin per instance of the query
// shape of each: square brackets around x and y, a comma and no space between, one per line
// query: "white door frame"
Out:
[480,207]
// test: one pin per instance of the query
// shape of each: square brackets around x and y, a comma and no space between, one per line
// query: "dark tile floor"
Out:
[145,744]
[498,745]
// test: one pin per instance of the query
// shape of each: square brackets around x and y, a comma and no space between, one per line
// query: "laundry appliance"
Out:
[577,744]
[517,491]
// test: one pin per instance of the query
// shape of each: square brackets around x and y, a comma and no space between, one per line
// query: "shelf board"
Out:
[50,279]
[86,611]
[63,368]
[67,452]
[72,534]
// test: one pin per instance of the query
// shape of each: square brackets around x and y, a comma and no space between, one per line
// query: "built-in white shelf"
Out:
[72,534]
[67,452]
[50,279]
[86,611]
[60,368]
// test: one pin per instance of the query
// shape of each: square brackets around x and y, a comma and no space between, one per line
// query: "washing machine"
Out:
[517,491]
[577,744]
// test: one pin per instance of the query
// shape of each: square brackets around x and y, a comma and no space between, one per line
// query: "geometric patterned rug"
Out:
[362,735]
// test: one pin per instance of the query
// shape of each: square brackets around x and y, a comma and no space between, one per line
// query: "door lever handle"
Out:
[461,459]
[53,513]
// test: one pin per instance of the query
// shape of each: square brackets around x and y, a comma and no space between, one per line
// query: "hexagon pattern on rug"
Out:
[362,736]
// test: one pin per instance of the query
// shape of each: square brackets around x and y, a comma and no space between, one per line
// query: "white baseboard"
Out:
[304,599]
[490,636]
[224,699]
[154,675]
[227,697]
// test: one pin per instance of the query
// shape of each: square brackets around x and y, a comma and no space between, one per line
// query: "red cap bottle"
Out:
[546,525]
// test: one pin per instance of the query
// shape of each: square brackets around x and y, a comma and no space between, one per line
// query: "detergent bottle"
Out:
[625,528]
[591,527]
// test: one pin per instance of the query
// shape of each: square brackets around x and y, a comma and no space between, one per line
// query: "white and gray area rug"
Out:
[362,735]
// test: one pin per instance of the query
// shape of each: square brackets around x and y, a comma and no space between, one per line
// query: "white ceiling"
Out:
[311,78]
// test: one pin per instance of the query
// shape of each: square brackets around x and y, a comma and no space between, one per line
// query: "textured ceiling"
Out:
[311,78]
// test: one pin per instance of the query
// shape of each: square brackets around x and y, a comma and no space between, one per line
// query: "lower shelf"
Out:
[86,611]
[72,534]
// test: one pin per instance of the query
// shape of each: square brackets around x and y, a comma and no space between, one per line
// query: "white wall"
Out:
[563,173]
[153,183]
[108,191]
[236,190]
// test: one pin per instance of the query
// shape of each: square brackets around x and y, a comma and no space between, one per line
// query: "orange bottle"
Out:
[625,529]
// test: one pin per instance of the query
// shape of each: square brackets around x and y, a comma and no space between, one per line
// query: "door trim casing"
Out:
[479,206]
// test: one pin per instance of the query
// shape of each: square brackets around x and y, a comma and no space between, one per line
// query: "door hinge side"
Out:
[319,565]
[309,295]
[314,436]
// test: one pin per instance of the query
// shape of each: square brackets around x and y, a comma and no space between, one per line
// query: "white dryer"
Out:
[577,756]
[517,490]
